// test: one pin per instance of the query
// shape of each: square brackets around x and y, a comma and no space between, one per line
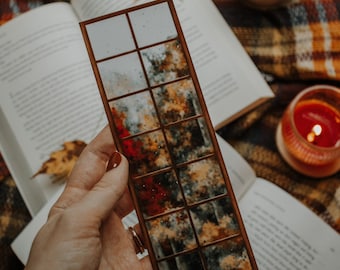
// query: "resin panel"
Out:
[158,118]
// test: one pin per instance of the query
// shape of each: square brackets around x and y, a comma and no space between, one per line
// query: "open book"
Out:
[49,93]
[283,233]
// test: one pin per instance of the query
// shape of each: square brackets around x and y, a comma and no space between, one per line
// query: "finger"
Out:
[88,170]
[146,263]
[101,199]
[125,205]
[137,238]
[118,247]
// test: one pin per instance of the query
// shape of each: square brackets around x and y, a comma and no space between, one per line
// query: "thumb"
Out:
[101,199]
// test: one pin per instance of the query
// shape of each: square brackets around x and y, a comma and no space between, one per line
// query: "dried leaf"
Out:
[61,162]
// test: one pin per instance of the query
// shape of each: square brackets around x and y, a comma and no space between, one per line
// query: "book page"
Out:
[240,173]
[285,234]
[229,80]
[48,95]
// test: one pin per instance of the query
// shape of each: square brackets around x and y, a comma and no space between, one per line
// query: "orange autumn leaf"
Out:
[61,162]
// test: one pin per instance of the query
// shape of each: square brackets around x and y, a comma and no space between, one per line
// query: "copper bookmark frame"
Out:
[156,111]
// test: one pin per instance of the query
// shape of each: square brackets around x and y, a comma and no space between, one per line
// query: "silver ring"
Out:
[136,239]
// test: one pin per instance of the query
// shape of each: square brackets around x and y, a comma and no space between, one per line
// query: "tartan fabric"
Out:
[299,45]
[298,41]
[9,9]
[13,218]
[4,172]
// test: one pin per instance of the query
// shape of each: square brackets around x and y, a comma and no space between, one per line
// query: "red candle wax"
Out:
[317,122]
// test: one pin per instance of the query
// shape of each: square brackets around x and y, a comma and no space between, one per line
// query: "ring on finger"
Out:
[137,240]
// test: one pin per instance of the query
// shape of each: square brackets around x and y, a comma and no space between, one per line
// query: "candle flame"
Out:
[316,131]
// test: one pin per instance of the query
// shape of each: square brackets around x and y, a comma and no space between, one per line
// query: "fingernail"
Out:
[114,161]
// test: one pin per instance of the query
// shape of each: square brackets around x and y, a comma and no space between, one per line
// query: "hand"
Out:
[84,228]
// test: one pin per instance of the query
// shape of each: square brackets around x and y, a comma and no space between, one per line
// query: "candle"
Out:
[308,136]
[317,122]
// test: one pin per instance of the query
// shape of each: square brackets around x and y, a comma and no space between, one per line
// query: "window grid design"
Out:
[157,114]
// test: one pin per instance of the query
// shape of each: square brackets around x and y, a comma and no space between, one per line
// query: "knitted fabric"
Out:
[298,41]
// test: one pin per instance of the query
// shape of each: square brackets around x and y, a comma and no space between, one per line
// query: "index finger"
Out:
[88,170]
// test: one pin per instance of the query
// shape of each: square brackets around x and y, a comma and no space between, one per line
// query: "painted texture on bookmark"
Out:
[158,116]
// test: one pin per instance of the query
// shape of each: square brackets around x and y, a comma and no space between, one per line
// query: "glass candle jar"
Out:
[308,136]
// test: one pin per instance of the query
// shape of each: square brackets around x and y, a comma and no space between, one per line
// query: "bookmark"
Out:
[178,181]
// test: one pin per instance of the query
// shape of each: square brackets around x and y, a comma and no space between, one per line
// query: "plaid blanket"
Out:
[296,45]
[298,41]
